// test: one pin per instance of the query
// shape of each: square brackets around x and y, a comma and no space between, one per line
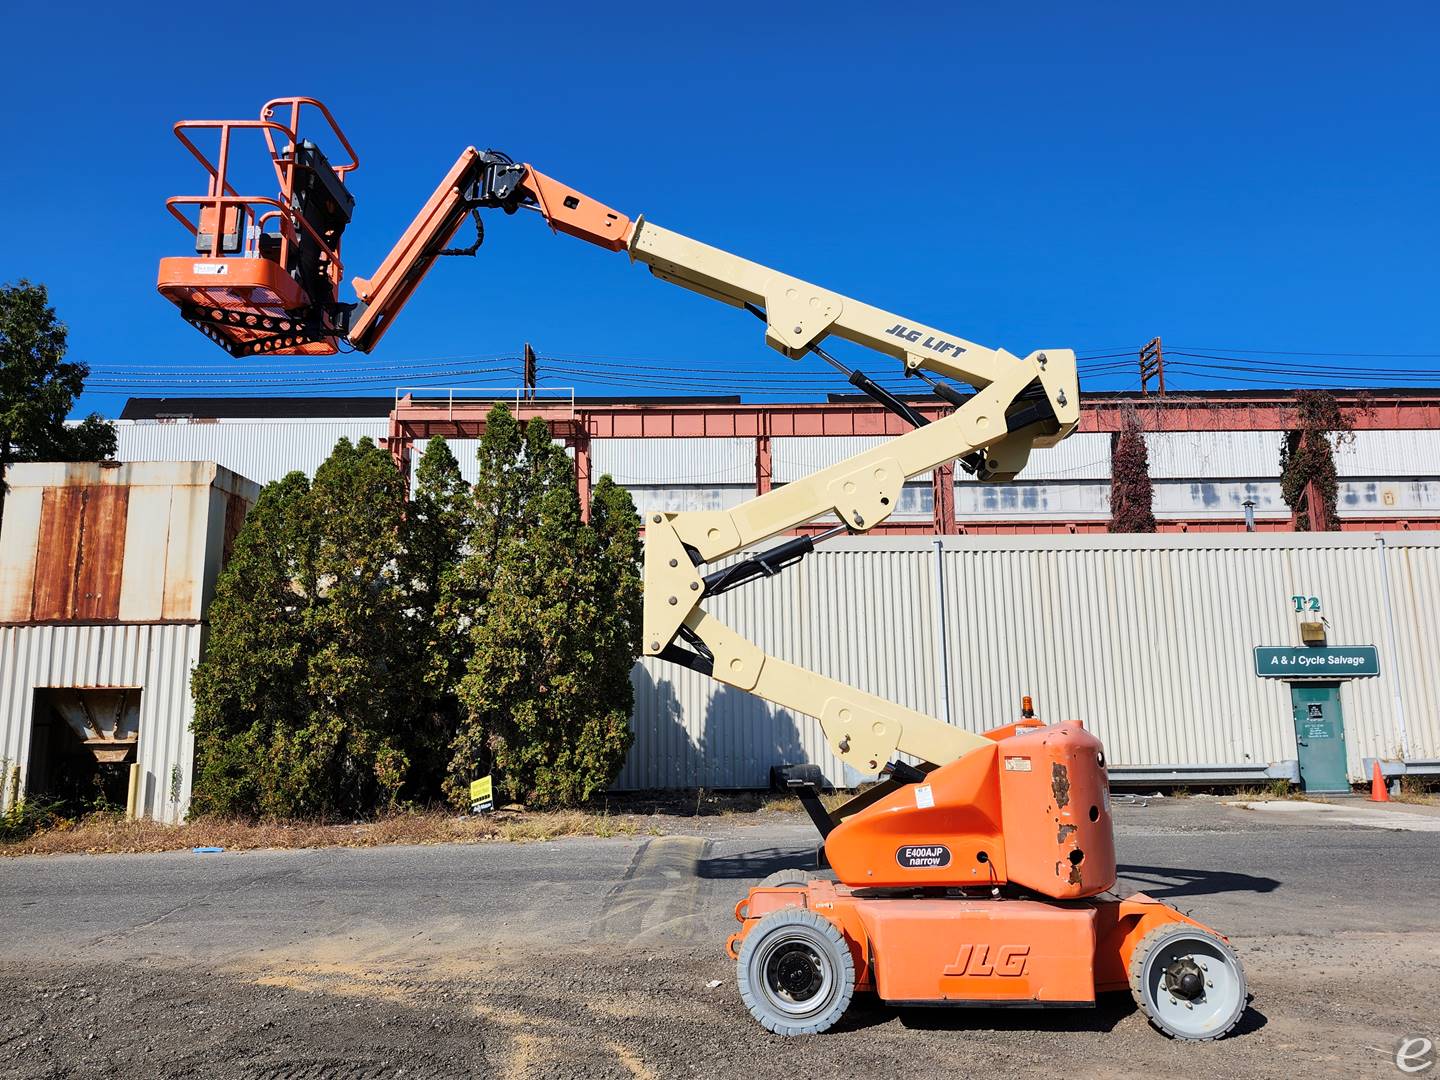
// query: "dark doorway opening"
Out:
[82,743]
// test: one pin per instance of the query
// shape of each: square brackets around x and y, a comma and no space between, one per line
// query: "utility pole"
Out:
[1152,365]
[529,373]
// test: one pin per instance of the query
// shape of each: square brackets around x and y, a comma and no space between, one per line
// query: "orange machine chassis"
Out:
[964,949]
[982,882]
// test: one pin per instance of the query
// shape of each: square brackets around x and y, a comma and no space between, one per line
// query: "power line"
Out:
[1296,352]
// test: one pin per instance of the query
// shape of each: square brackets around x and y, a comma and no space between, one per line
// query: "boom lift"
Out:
[982,876]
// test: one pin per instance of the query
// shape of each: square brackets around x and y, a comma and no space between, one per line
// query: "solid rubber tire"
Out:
[786,878]
[1155,940]
[820,934]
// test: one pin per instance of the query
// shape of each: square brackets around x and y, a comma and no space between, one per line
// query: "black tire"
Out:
[781,879]
[1175,948]
[795,972]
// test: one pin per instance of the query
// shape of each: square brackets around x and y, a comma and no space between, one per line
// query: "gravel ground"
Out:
[586,957]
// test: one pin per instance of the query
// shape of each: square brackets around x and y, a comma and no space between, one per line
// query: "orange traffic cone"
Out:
[1378,791]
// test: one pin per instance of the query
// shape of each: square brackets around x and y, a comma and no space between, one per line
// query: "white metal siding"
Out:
[794,457]
[1148,639]
[1186,455]
[157,659]
[465,451]
[1045,502]
[696,462]
[260,450]
[1083,456]
[675,498]
[1386,453]
[1192,499]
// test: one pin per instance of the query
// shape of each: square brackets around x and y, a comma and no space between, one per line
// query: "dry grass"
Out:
[629,814]
[790,804]
[111,833]
[1418,790]
[1276,789]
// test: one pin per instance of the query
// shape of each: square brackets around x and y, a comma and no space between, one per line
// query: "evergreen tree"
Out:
[302,702]
[1307,456]
[249,687]
[38,387]
[604,734]
[547,693]
[437,524]
[1131,494]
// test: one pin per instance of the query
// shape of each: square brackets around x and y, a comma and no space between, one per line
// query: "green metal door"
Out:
[1320,736]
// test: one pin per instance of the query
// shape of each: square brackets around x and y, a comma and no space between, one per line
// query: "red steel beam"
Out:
[1100,413]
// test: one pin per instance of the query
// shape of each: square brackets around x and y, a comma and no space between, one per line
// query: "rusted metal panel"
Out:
[236,507]
[101,563]
[136,542]
[57,550]
[79,553]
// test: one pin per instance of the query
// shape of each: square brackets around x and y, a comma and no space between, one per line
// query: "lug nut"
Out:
[694,585]
[673,600]
[674,562]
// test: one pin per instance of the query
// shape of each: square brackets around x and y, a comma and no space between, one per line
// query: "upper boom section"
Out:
[478,179]
[266,281]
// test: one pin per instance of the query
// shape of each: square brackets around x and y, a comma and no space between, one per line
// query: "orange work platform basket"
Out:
[264,273]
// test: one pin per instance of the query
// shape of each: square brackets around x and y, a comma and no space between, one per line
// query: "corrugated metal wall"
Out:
[153,555]
[1197,474]
[1213,454]
[1148,639]
[155,658]
[655,461]
[260,450]
[1384,453]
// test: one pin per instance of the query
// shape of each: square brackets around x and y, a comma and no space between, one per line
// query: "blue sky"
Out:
[1255,181]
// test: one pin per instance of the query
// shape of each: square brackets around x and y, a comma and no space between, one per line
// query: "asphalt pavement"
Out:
[604,957]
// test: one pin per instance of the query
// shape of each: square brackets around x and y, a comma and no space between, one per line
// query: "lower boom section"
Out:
[804,949]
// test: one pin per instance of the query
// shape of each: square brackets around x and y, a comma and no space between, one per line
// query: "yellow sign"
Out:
[482,795]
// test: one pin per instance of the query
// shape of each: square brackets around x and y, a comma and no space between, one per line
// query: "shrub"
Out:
[547,692]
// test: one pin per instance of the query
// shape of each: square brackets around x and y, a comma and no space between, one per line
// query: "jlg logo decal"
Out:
[990,960]
[934,344]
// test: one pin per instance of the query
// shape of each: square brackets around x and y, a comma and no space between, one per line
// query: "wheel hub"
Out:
[796,972]
[1184,979]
